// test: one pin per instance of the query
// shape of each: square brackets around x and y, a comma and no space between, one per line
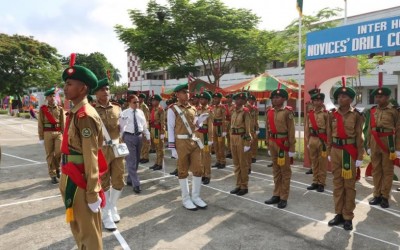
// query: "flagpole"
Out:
[345,12]
[299,82]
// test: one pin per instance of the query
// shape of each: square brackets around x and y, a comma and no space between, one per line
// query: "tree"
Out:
[97,63]
[26,62]
[187,33]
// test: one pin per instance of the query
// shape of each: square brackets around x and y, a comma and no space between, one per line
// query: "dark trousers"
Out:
[134,144]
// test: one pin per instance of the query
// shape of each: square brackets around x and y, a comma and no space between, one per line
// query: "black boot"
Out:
[273,200]
[242,192]
[216,165]
[312,186]
[205,180]
[221,166]
[175,172]
[229,156]
[235,191]
[253,160]
[384,203]
[58,173]
[54,180]
[157,167]
[270,165]
[309,171]
[348,225]
[282,204]
[336,221]
[320,188]
[152,167]
[376,201]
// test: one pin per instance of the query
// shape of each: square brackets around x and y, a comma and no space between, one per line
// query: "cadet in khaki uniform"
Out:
[230,107]
[82,140]
[183,143]
[316,133]
[144,153]
[240,143]
[281,141]
[205,133]
[383,142]
[113,180]
[255,128]
[50,127]
[219,130]
[157,130]
[345,148]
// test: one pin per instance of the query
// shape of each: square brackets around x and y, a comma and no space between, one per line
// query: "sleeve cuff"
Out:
[171,144]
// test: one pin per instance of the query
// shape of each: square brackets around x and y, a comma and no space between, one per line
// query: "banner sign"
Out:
[356,39]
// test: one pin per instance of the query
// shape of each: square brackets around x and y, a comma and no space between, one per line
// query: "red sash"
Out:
[279,141]
[375,133]
[76,171]
[313,121]
[350,148]
[48,115]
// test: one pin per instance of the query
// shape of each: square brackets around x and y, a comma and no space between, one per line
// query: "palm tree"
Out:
[117,75]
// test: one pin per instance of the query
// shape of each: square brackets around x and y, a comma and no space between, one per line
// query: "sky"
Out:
[87,26]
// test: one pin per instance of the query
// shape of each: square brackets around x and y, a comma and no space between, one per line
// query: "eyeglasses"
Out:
[135,102]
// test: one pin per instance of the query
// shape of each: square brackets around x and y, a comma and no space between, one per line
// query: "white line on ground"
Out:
[300,215]
[32,200]
[23,165]
[121,240]
[21,158]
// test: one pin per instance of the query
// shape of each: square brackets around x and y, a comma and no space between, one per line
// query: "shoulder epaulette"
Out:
[358,111]
[116,104]
[332,110]
[41,107]
[81,112]
[289,108]
[246,109]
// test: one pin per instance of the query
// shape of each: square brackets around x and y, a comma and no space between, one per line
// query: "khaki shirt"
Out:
[145,110]
[110,116]
[353,124]
[219,112]
[241,118]
[208,121]
[57,112]
[85,136]
[321,117]
[388,118]
[254,117]
[175,123]
[284,123]
[158,118]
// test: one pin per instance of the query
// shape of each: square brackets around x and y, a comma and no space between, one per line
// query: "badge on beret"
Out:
[70,71]
[86,132]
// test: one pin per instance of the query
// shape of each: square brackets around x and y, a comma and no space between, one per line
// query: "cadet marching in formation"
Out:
[92,175]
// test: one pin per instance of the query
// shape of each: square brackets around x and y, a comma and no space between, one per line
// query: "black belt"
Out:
[136,134]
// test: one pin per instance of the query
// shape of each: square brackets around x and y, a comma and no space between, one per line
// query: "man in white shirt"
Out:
[133,126]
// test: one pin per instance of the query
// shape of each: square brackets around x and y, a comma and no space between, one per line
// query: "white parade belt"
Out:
[193,137]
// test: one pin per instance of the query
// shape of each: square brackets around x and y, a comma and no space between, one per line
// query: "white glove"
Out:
[292,154]
[41,142]
[95,207]
[269,152]
[369,151]
[257,132]
[196,118]
[223,134]
[398,154]
[210,143]
[329,158]
[246,148]
[358,163]
[174,153]
[162,136]
[308,146]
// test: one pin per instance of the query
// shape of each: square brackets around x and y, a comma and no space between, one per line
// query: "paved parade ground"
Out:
[32,212]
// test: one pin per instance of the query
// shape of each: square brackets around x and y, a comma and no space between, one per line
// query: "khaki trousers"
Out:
[189,158]
[158,146]
[282,174]
[318,162]
[115,173]
[344,190]
[144,152]
[240,161]
[86,228]
[219,146]
[382,169]
[52,146]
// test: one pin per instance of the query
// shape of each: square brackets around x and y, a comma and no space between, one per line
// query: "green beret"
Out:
[50,92]
[320,96]
[100,84]
[90,98]
[252,97]
[313,91]
[280,92]
[218,95]
[381,91]
[205,95]
[156,97]
[344,90]
[142,95]
[181,87]
[82,74]
[240,95]
[228,96]
[121,101]
[196,96]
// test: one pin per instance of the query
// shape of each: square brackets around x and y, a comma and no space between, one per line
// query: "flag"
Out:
[300,7]
[57,96]
[191,78]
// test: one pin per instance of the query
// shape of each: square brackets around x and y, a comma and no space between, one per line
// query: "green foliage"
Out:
[26,62]
[119,89]
[96,62]
[186,33]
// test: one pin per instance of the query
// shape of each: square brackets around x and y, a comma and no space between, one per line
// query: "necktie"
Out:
[135,122]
